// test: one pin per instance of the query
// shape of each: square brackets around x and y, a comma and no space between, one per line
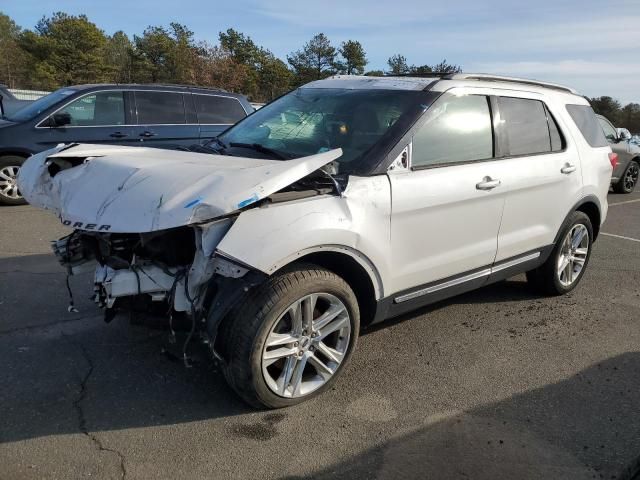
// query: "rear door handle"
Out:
[118,135]
[147,134]
[488,183]
[568,168]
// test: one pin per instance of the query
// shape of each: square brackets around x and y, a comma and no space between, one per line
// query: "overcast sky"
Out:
[591,45]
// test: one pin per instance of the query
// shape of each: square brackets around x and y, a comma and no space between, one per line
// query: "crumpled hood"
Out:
[137,189]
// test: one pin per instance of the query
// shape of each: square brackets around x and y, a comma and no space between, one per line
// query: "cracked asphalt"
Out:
[499,383]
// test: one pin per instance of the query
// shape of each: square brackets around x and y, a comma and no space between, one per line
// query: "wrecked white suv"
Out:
[345,202]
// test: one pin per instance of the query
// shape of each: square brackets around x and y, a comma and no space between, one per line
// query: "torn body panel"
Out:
[138,190]
[356,224]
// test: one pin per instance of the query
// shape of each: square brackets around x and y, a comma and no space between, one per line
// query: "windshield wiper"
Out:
[262,149]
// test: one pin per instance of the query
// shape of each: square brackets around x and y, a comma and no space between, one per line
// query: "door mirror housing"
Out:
[59,119]
[623,134]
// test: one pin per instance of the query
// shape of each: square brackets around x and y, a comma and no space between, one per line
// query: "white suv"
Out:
[348,201]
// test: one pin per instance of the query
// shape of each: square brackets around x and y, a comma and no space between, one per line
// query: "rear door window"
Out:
[458,129]
[216,110]
[586,121]
[160,108]
[525,122]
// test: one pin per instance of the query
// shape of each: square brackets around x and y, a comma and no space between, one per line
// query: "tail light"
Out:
[613,158]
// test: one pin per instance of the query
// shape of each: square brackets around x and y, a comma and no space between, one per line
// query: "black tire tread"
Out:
[249,316]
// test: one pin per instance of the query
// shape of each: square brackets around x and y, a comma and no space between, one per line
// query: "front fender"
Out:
[356,224]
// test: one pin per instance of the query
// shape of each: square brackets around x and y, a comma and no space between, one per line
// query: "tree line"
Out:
[68,49]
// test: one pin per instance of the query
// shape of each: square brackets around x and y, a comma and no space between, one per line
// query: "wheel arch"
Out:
[590,206]
[356,270]
[15,152]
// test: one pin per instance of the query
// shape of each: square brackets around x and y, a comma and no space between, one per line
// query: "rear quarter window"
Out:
[214,109]
[585,119]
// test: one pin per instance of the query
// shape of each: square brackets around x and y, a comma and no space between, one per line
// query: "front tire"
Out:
[566,265]
[9,193]
[629,178]
[291,337]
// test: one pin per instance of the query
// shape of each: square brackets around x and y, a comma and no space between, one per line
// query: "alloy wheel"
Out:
[631,176]
[573,255]
[8,182]
[306,345]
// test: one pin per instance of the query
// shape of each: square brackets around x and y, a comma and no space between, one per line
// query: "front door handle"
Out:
[147,134]
[488,183]
[118,135]
[568,168]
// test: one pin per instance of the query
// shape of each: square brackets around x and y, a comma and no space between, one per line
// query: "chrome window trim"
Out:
[39,125]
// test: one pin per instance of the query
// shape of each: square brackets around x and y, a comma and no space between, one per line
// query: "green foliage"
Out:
[354,58]
[626,117]
[398,64]
[315,61]
[65,50]
[13,59]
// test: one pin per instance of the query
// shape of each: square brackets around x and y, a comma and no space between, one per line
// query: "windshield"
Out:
[314,120]
[36,108]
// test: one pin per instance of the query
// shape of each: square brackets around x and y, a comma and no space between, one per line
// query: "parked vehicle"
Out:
[625,174]
[9,103]
[149,115]
[345,202]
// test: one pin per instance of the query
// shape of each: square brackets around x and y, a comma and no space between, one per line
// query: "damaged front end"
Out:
[176,269]
[148,221]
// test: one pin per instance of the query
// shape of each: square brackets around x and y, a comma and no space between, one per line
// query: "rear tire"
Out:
[9,193]
[629,179]
[566,264]
[263,326]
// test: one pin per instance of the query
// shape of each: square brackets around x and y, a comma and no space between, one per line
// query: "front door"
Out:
[446,208]
[97,117]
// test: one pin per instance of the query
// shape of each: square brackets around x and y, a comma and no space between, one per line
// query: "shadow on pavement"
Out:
[539,434]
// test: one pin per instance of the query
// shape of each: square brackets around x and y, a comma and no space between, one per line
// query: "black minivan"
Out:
[144,115]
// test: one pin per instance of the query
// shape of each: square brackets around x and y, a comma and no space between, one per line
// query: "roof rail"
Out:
[498,78]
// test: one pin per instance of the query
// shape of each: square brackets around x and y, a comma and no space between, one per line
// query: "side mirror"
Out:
[623,134]
[59,119]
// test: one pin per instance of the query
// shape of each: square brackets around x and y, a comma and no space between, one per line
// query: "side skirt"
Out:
[414,298]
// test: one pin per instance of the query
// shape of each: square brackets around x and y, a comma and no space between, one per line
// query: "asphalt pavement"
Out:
[498,383]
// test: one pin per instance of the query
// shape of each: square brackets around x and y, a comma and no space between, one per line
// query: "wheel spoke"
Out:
[331,353]
[564,261]
[328,316]
[581,251]
[287,373]
[295,312]
[296,379]
[308,307]
[578,236]
[337,324]
[323,370]
[577,260]
[272,356]
[275,339]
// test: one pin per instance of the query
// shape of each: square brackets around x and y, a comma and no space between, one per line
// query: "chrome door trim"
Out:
[440,286]
[467,278]
[517,261]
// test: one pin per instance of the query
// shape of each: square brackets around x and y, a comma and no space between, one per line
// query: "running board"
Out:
[467,278]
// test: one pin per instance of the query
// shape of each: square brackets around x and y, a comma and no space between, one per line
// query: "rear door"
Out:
[165,118]
[543,174]
[446,207]
[216,113]
[96,117]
